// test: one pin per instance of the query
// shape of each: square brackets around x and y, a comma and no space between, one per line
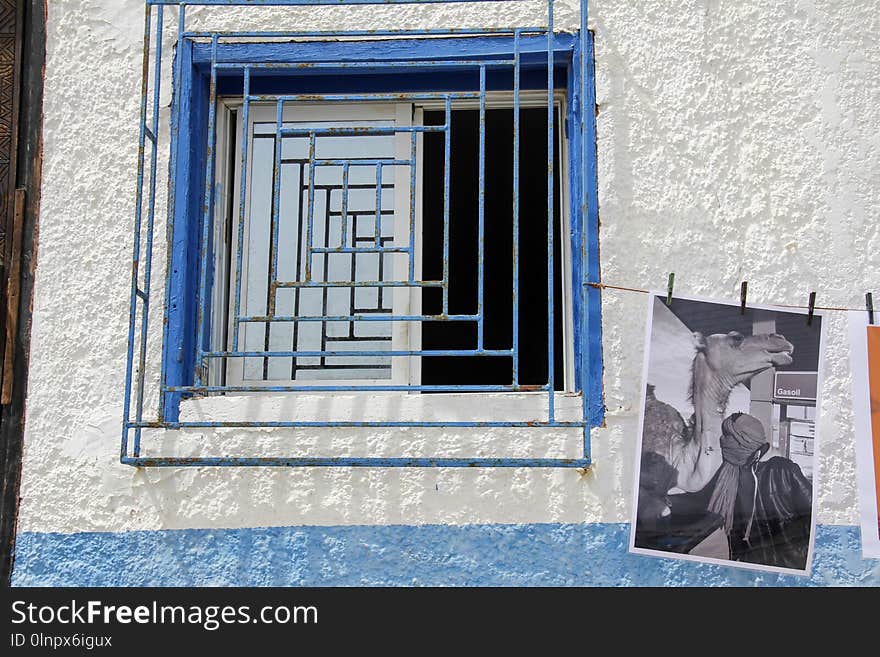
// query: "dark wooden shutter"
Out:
[10,68]
[22,59]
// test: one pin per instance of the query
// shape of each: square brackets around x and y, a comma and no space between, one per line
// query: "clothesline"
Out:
[608,286]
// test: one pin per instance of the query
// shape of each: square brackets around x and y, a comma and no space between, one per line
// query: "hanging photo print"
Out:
[726,465]
[865,360]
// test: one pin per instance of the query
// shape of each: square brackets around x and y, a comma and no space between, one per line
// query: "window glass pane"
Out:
[361,228]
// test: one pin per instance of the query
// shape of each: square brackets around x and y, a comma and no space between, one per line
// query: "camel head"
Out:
[735,358]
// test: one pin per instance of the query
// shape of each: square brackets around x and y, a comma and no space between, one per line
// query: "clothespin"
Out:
[743,292]
[669,287]
[869,304]
[811,308]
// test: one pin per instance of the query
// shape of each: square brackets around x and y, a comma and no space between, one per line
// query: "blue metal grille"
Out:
[316,243]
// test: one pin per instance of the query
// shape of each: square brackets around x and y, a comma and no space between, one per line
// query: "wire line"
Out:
[608,286]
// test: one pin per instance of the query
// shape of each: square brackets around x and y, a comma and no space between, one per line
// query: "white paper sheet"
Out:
[865,468]
[669,355]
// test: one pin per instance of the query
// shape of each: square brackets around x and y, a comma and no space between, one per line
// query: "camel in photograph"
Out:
[722,361]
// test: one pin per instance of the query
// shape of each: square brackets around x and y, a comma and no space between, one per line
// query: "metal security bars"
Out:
[320,258]
[325,221]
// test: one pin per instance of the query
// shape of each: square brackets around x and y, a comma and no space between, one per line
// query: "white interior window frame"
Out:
[405,370]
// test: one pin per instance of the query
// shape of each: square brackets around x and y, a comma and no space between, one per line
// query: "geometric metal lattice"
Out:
[323,294]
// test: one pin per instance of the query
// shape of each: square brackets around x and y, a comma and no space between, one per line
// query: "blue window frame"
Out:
[441,65]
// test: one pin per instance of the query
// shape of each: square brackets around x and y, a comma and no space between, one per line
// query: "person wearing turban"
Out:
[766,506]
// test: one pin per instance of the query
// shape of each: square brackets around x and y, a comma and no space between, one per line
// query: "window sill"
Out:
[383,407]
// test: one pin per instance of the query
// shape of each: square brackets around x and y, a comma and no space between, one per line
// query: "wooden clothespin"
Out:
[811,308]
[743,293]
[669,287]
[869,305]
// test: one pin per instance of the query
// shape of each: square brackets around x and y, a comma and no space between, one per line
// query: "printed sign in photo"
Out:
[865,360]
[726,464]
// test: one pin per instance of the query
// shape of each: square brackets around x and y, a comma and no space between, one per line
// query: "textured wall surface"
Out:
[736,140]
[403,555]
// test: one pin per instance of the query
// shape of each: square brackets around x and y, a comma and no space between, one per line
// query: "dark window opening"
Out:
[498,249]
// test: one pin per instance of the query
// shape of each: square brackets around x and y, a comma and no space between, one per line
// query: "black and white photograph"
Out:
[726,463]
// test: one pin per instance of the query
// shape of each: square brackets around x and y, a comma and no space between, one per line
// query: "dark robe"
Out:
[780,531]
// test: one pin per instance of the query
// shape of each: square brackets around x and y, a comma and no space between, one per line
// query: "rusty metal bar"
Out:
[276,211]
[445,63]
[364,462]
[359,388]
[447,173]
[481,212]
[312,3]
[431,32]
[366,97]
[343,241]
[359,317]
[412,206]
[360,283]
[311,221]
[369,354]
[551,373]
[242,200]
[516,92]
[377,229]
[133,298]
[144,294]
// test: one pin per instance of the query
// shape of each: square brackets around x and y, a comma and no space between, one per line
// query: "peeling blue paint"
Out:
[420,555]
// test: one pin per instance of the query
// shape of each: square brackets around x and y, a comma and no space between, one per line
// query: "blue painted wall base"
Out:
[411,555]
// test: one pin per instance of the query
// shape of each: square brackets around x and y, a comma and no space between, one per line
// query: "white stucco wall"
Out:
[736,140]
